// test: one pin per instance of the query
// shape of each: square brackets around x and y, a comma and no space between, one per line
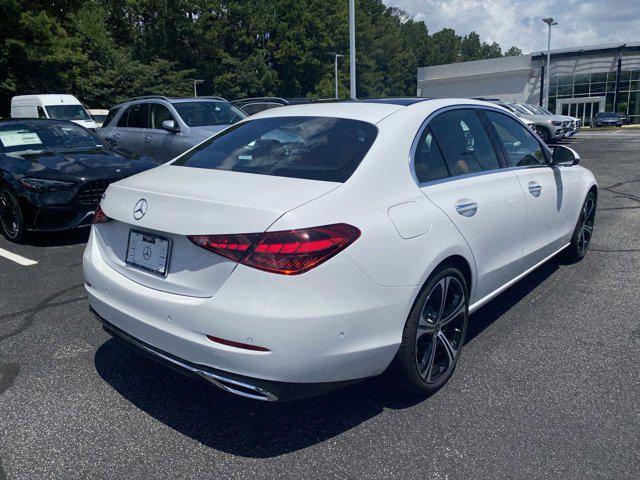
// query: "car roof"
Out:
[367,111]
[403,101]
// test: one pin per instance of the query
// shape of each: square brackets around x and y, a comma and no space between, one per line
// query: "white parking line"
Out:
[17,258]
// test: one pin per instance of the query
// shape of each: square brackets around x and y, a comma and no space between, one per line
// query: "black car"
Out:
[624,118]
[606,119]
[53,174]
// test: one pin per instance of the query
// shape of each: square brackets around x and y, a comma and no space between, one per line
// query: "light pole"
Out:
[549,21]
[195,86]
[352,47]
[335,64]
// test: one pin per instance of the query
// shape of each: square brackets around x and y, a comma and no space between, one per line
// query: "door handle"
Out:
[148,138]
[116,136]
[535,189]
[466,208]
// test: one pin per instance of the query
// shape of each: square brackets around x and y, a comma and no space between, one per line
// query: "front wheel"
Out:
[434,334]
[11,217]
[583,232]
[543,134]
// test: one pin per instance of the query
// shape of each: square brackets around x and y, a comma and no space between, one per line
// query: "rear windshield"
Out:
[315,148]
[208,113]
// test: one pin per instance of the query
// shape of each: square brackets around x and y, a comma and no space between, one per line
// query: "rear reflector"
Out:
[288,252]
[99,216]
[231,343]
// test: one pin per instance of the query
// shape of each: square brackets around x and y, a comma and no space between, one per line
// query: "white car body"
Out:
[47,105]
[98,115]
[344,319]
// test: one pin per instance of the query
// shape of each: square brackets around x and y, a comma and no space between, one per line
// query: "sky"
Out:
[518,22]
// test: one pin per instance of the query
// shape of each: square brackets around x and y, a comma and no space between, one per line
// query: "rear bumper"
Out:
[332,324]
[253,388]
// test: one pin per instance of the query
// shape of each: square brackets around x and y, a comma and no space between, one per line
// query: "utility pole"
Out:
[335,57]
[549,21]
[352,47]
[195,86]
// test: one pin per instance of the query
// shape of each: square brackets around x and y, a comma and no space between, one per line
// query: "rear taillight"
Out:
[288,252]
[99,216]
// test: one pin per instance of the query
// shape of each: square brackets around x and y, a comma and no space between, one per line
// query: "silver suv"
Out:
[162,128]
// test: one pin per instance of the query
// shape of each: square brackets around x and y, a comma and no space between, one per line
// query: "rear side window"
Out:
[315,148]
[136,116]
[41,113]
[428,161]
[112,113]
[464,141]
[521,147]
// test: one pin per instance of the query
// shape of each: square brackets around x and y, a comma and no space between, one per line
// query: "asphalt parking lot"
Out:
[548,385]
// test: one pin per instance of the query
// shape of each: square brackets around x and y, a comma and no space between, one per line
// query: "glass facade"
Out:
[602,85]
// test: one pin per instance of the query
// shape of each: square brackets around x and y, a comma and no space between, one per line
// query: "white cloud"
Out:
[519,22]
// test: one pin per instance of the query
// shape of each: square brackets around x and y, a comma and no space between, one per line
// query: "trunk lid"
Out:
[183,201]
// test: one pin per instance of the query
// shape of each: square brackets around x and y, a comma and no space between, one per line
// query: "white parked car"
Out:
[56,106]
[310,246]
[98,115]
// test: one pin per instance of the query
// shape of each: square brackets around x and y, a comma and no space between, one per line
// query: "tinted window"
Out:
[464,142]
[41,113]
[68,112]
[16,137]
[200,114]
[112,113]
[428,162]
[158,113]
[253,108]
[316,148]
[520,145]
[136,116]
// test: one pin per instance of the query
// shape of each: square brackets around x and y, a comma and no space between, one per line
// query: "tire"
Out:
[581,238]
[11,217]
[543,134]
[417,367]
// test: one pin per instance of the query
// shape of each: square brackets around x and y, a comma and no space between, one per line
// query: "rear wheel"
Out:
[11,217]
[434,334]
[583,232]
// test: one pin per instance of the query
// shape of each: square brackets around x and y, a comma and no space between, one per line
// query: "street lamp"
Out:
[549,21]
[335,63]
[195,86]
[352,47]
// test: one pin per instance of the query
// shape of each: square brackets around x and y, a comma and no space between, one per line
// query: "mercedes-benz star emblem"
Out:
[146,253]
[140,209]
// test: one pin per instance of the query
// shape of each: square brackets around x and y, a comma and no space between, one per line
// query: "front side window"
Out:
[136,116]
[464,142]
[112,113]
[315,148]
[428,161]
[68,112]
[208,113]
[158,113]
[521,147]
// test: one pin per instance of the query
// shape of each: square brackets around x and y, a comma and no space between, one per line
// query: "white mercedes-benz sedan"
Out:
[311,246]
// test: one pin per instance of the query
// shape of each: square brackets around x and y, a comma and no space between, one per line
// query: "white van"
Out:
[59,107]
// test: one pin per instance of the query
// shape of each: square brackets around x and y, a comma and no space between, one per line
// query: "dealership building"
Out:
[583,81]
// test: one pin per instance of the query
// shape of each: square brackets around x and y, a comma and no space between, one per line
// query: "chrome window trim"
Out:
[435,113]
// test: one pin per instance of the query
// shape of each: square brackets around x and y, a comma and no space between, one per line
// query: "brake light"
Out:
[99,216]
[288,252]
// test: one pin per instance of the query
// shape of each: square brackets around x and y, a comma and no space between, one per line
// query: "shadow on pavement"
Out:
[58,239]
[253,429]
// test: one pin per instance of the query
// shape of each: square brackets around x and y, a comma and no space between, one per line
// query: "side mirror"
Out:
[564,156]
[170,126]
